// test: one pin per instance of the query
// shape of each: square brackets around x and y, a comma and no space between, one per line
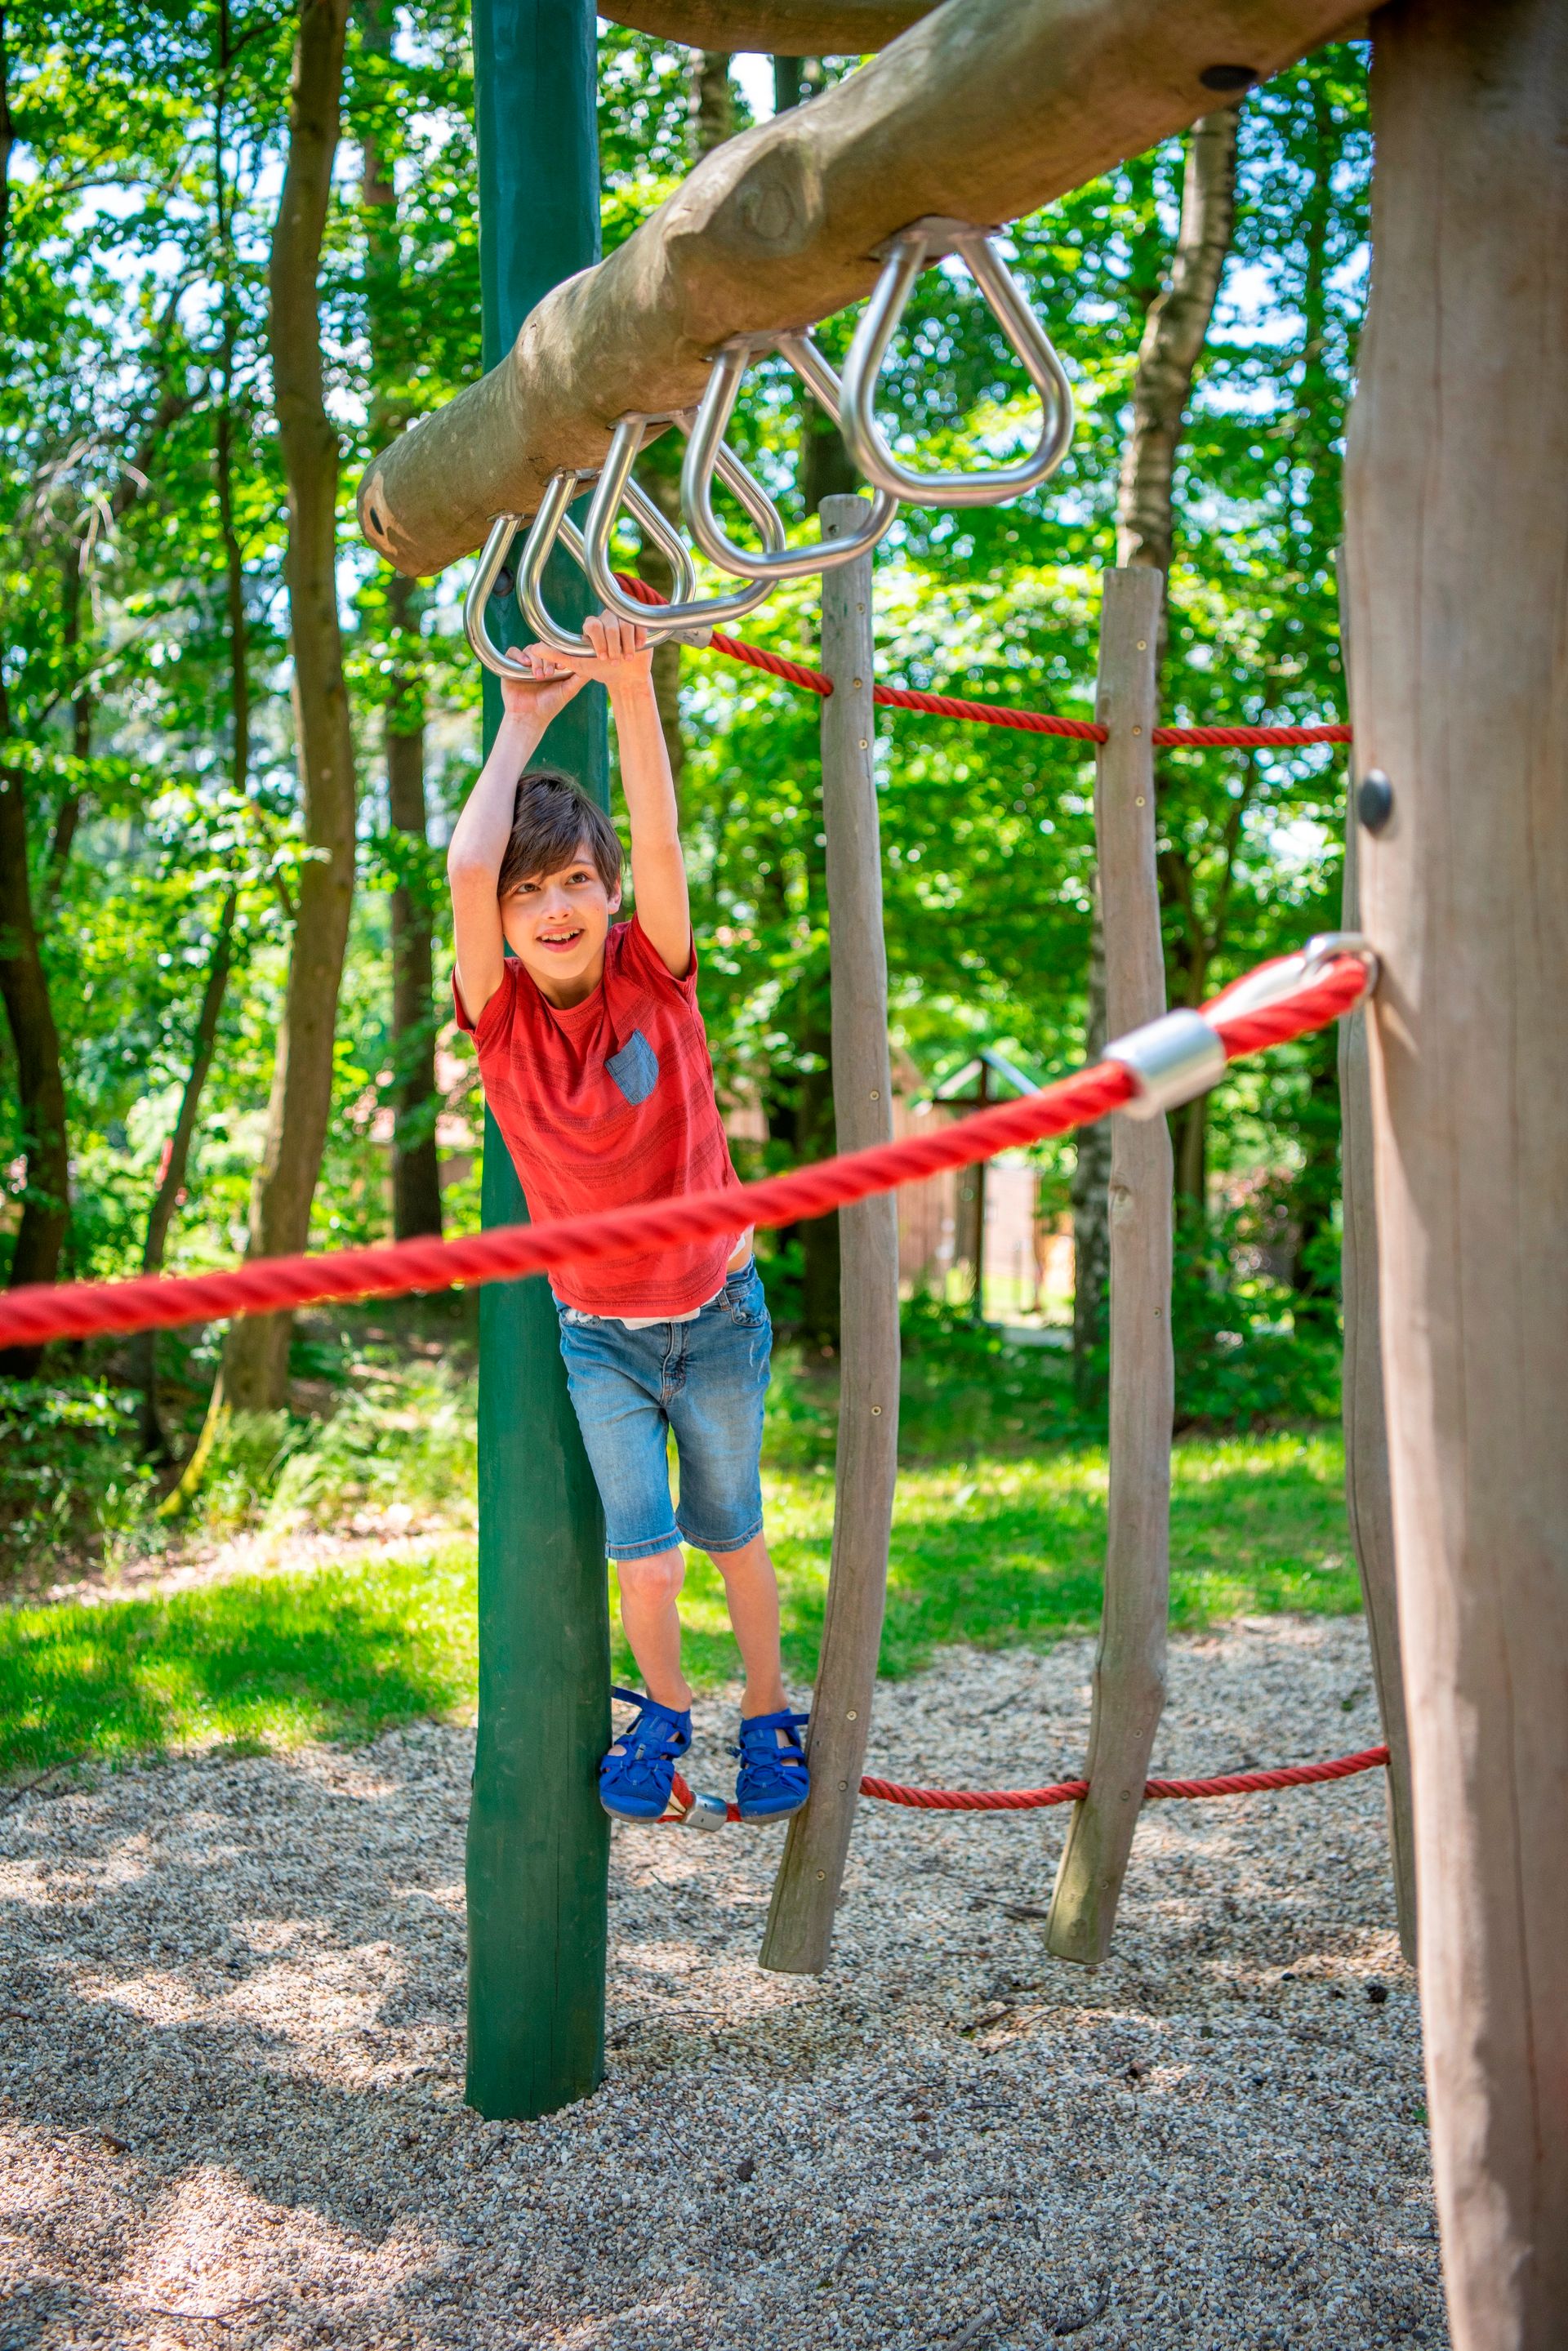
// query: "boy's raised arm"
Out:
[479,837]
[658,869]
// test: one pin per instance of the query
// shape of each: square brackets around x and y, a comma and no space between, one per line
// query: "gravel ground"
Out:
[231,2048]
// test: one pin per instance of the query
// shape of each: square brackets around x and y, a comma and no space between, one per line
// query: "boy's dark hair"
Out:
[552,817]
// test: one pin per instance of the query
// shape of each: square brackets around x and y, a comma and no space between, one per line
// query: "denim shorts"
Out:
[705,1380]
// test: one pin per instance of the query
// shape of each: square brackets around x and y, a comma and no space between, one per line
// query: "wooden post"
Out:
[1130,1664]
[539,1843]
[805,1897]
[1457,513]
[1368,1499]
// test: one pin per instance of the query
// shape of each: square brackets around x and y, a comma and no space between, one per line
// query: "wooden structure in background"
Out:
[1129,1686]
[806,1894]
[989,1077]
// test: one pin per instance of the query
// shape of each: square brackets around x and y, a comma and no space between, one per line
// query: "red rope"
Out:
[1240,736]
[1072,1791]
[40,1311]
[990,714]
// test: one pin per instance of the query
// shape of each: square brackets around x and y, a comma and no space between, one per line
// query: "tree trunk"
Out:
[713,103]
[40,1083]
[1173,337]
[24,984]
[415,1165]
[1091,1198]
[167,1199]
[1456,510]
[256,1361]
[416,1170]
[143,1348]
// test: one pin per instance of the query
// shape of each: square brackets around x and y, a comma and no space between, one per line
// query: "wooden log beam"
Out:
[1457,513]
[1129,1686]
[982,110]
[806,1892]
[786,28]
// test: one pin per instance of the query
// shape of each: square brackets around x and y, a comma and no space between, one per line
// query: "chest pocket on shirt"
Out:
[635,1068]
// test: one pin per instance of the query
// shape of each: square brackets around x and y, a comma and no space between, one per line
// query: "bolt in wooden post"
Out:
[806,1894]
[1130,1664]
[1368,1499]
[538,1844]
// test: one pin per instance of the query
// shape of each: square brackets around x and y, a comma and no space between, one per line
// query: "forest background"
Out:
[187,370]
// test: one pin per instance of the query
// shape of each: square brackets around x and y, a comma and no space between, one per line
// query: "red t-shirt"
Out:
[610,1104]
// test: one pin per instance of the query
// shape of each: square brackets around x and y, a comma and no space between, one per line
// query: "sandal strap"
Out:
[659,1734]
[757,1730]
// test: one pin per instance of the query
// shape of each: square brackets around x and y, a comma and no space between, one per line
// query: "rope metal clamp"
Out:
[1290,973]
[690,1809]
[906,255]
[1174,1059]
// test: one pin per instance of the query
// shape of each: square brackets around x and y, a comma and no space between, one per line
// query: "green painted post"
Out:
[539,1844]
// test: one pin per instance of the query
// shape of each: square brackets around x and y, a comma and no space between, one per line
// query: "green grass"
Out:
[1004,1550]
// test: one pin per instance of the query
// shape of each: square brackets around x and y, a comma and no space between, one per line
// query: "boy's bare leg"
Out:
[649,1590]
[751,1589]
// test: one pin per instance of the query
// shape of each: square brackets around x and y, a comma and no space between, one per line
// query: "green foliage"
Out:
[339,1653]
[70,1483]
[992,1551]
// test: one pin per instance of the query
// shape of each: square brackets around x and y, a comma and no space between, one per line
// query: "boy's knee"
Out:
[652,1579]
[743,1562]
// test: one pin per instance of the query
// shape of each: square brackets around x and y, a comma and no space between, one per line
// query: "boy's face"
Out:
[556,925]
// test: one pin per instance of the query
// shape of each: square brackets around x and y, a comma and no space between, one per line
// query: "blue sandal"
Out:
[635,1778]
[773,1779]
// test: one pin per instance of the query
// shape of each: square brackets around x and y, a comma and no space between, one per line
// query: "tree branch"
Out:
[789,29]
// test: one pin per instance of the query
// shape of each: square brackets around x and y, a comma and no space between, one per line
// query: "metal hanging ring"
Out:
[707,442]
[705,611]
[910,251]
[477,603]
[552,522]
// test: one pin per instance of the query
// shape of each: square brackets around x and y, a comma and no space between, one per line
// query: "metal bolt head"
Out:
[851,1716]
[1374,800]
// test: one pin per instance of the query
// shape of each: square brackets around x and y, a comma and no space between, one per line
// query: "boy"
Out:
[594,1061]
